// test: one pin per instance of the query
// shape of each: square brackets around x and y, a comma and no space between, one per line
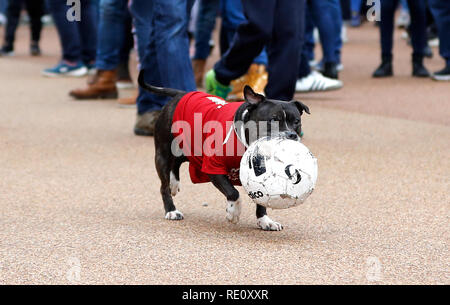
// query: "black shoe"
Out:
[419,69]
[330,70]
[7,50]
[34,49]
[384,70]
[442,75]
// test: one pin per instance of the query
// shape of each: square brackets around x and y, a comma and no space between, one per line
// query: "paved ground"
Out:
[79,199]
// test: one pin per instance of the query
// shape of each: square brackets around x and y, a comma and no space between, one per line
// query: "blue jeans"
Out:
[441,13]
[113,24]
[163,47]
[3,6]
[206,20]
[232,16]
[78,38]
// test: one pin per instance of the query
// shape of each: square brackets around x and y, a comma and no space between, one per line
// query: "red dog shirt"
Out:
[203,128]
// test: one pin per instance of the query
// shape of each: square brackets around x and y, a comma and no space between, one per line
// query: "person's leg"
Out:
[68,32]
[441,13]
[88,30]
[171,41]
[418,26]
[284,47]
[13,14]
[419,41]
[322,15]
[249,41]
[309,43]
[205,24]
[387,27]
[203,31]
[35,9]
[111,35]
[113,14]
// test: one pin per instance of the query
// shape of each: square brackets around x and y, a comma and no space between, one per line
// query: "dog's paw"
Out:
[233,211]
[174,185]
[267,224]
[174,215]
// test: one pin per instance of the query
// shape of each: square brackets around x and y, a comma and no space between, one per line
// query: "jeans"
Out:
[78,38]
[441,12]
[417,10]
[205,25]
[276,24]
[3,5]
[163,47]
[327,16]
[112,34]
[355,6]
[35,9]
[232,17]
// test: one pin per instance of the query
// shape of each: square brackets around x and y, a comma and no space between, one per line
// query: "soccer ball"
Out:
[278,173]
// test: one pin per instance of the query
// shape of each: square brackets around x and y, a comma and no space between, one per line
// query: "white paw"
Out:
[234,210]
[268,224]
[174,215]
[174,184]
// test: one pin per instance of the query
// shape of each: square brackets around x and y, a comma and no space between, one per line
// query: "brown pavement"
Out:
[80,203]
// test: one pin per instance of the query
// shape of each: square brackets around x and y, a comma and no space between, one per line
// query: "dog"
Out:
[174,147]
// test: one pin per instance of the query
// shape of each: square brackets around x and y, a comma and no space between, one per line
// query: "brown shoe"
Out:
[237,93]
[198,65]
[128,101]
[101,86]
[258,78]
[145,123]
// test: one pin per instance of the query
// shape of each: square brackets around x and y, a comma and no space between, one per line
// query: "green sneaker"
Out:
[214,87]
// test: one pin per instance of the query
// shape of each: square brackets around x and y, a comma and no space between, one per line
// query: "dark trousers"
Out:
[441,12]
[275,24]
[78,38]
[35,9]
[417,10]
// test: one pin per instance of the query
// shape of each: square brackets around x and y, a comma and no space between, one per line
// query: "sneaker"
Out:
[317,82]
[145,123]
[7,50]
[66,69]
[214,87]
[442,75]
[34,49]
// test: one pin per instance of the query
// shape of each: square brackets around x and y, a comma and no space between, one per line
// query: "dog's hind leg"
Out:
[164,162]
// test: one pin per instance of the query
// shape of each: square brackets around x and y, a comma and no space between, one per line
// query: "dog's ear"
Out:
[251,96]
[301,107]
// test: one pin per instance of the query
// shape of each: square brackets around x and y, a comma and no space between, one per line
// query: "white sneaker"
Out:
[317,82]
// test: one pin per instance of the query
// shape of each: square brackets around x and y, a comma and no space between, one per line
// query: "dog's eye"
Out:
[296,122]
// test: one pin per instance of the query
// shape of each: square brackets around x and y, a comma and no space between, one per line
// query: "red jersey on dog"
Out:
[203,127]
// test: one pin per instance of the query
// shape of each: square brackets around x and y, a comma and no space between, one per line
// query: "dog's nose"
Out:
[291,135]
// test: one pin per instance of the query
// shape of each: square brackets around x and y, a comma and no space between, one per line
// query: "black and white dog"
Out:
[264,112]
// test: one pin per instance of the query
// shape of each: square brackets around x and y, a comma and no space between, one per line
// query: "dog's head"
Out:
[260,117]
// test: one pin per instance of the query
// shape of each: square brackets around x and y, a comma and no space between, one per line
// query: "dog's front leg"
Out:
[223,184]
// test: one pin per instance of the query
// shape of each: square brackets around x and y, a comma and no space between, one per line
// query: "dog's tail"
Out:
[157,90]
